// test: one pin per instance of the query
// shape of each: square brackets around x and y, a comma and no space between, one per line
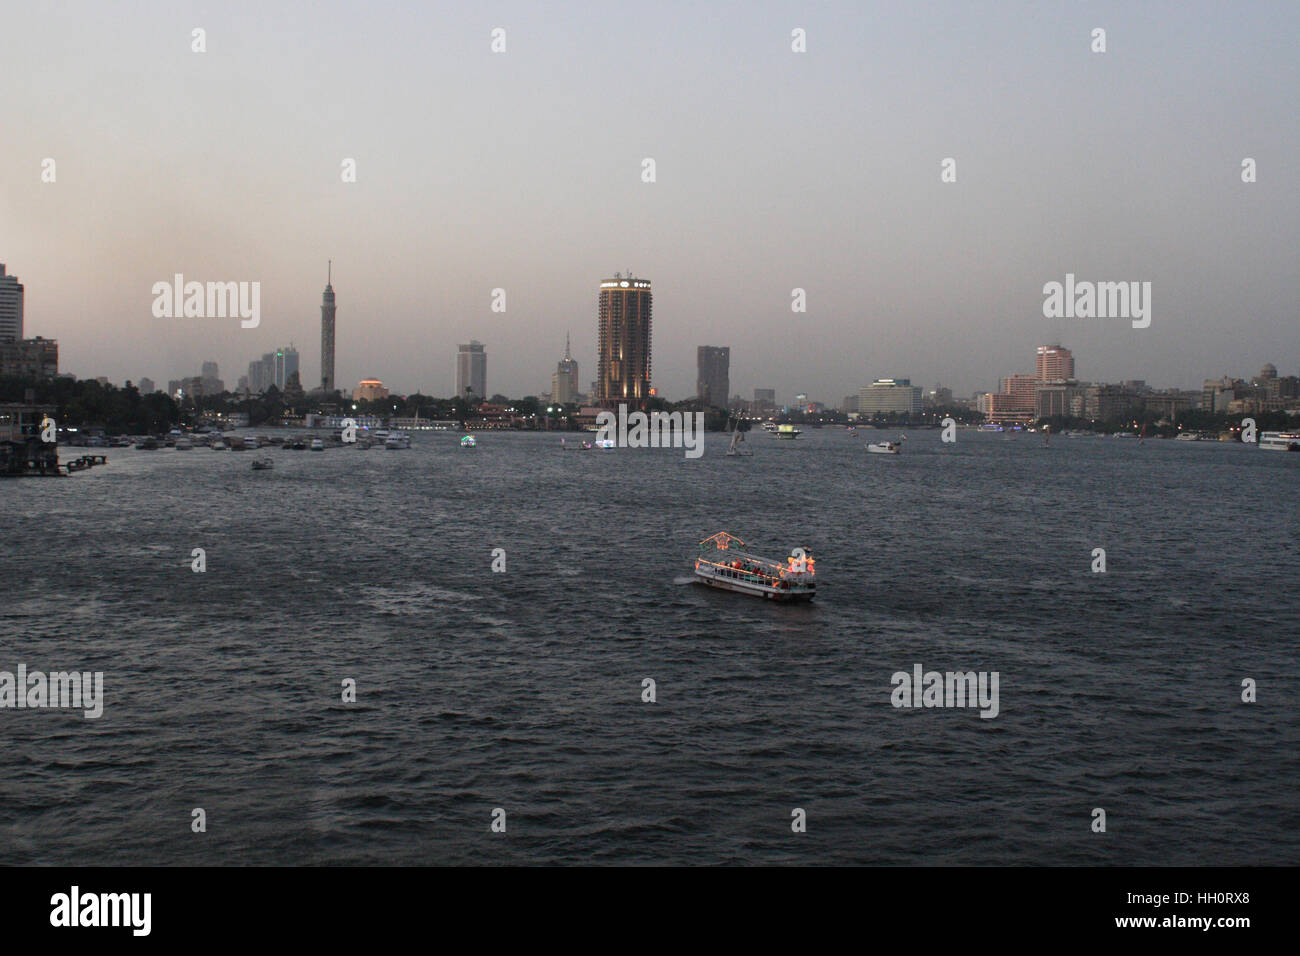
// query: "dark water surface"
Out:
[522,690]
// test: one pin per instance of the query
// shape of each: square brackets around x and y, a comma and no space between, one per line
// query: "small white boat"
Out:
[317,445]
[887,447]
[723,565]
[397,440]
[605,443]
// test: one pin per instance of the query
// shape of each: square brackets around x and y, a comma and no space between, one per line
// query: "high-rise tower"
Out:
[327,333]
[564,381]
[1055,363]
[471,370]
[623,362]
[11,307]
[713,375]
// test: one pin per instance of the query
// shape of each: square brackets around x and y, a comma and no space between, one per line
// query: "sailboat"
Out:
[737,436]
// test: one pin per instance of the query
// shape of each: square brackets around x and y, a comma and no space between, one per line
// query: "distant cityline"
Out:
[624,367]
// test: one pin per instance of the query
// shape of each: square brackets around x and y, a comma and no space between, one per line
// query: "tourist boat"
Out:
[787,431]
[1280,441]
[317,445]
[263,464]
[721,564]
[468,442]
[397,440]
[885,447]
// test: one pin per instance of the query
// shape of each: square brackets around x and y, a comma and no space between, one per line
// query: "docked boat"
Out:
[468,442]
[147,444]
[317,445]
[183,444]
[236,443]
[721,564]
[786,431]
[218,445]
[1280,441]
[263,464]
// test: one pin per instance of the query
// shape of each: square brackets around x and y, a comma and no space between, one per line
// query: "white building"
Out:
[886,395]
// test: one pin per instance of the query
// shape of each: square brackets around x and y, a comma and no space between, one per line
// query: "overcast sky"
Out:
[775,170]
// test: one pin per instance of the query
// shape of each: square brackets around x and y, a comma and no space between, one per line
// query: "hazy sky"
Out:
[775,170]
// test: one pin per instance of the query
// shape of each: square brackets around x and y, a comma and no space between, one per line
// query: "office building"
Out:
[564,380]
[713,374]
[11,307]
[471,370]
[1055,364]
[889,395]
[623,341]
[36,358]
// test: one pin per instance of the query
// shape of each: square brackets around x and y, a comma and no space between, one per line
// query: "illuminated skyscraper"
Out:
[1055,364]
[623,361]
[327,310]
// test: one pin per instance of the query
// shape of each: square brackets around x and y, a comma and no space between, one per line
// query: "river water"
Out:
[522,690]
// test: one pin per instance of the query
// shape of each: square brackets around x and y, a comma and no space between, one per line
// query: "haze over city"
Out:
[775,170]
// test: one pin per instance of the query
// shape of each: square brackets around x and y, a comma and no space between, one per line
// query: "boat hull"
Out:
[794,596]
